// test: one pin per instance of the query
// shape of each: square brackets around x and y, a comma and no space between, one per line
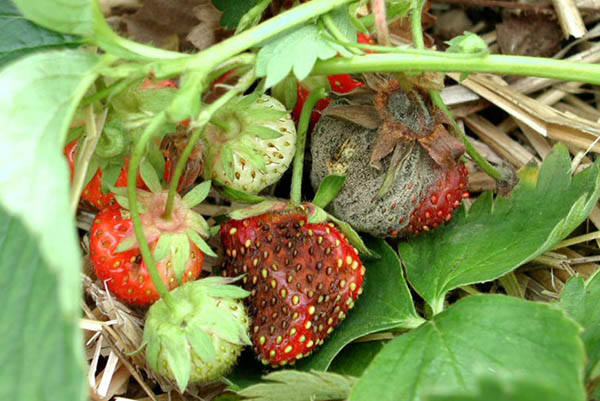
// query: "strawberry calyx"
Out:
[199,335]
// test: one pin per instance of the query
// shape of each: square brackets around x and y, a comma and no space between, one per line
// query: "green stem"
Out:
[490,170]
[337,34]
[311,101]
[269,29]
[416,25]
[200,123]
[224,125]
[494,64]
[134,164]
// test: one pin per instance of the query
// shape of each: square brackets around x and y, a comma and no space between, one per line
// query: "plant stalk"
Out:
[157,122]
[305,115]
[203,119]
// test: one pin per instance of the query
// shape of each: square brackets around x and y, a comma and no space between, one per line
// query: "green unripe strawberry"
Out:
[198,336]
[249,143]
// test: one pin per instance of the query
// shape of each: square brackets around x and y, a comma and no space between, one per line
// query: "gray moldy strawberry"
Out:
[401,165]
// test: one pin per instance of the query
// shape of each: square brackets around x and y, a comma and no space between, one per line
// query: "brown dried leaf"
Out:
[208,31]
[444,148]
[529,34]
[164,23]
[365,116]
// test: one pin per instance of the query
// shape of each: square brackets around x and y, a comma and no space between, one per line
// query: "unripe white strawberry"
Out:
[249,143]
[197,336]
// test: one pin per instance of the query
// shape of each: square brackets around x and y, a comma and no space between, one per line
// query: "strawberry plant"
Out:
[395,282]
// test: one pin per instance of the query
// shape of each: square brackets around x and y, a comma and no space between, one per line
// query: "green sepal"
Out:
[163,247]
[197,194]
[154,100]
[110,173]
[200,342]
[152,348]
[149,176]
[263,132]
[246,101]
[351,235]
[220,287]
[261,113]
[246,150]
[113,140]
[178,356]
[74,133]
[197,223]
[93,167]
[317,215]
[258,209]
[180,254]
[200,243]
[127,244]
[227,161]
[238,196]
[229,330]
[156,158]
[328,189]
[286,92]
[186,104]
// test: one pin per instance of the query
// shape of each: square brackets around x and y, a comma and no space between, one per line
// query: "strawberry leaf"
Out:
[20,37]
[385,304]
[197,194]
[481,245]
[511,337]
[233,11]
[581,301]
[278,57]
[38,97]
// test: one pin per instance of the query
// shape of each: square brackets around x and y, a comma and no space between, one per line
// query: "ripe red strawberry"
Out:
[303,278]
[445,196]
[93,193]
[176,244]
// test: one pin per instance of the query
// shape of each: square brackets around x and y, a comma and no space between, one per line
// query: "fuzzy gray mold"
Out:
[342,147]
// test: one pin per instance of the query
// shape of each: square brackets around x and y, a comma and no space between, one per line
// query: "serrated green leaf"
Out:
[178,357]
[328,189]
[233,11]
[200,243]
[149,176]
[277,58]
[180,254]
[19,37]
[506,336]
[197,194]
[495,237]
[263,132]
[384,305]
[290,385]
[201,342]
[41,342]
[227,161]
[582,303]
[38,97]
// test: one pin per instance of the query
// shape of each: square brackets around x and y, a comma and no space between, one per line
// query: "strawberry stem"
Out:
[199,124]
[311,101]
[436,98]
[150,132]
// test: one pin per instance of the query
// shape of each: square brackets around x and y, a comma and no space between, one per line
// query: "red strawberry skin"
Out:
[92,193]
[444,197]
[303,280]
[125,273]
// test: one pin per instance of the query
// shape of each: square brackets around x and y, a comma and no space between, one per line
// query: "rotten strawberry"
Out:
[303,278]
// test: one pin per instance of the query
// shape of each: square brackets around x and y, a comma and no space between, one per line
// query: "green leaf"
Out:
[38,96]
[277,58]
[328,189]
[263,132]
[354,359]
[197,194]
[41,344]
[385,304]
[497,236]
[497,389]
[78,17]
[200,243]
[19,37]
[233,11]
[506,336]
[290,385]
[582,303]
[149,176]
